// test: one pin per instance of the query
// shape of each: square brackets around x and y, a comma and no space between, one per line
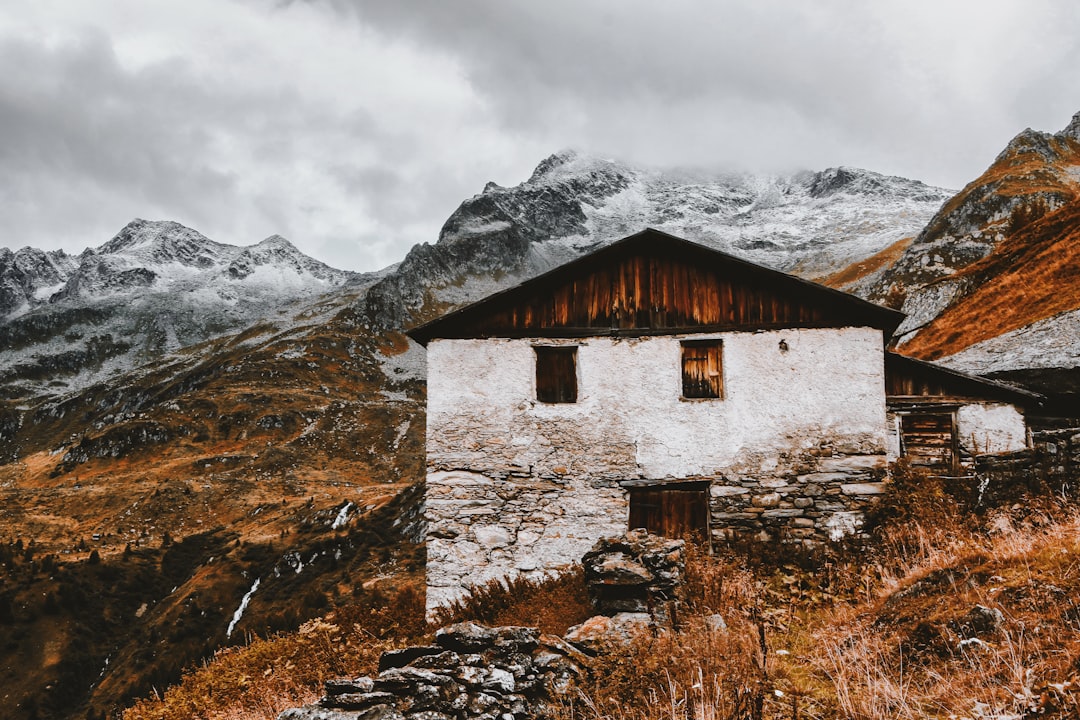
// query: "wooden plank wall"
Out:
[644,292]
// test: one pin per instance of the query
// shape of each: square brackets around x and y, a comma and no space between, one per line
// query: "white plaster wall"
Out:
[827,390]
[986,428]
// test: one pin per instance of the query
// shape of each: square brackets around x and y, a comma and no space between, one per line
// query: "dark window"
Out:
[673,511]
[702,369]
[556,374]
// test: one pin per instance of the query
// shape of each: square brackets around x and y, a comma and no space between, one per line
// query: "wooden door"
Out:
[673,511]
[928,440]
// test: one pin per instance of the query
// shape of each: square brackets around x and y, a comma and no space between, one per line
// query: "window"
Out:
[702,369]
[556,374]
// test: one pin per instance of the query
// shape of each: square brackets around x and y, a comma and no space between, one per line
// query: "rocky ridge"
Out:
[67,322]
[989,284]
[812,224]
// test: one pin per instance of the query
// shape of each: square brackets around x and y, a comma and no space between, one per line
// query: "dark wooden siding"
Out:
[655,283]
[556,374]
[673,512]
[911,381]
[928,439]
[641,292]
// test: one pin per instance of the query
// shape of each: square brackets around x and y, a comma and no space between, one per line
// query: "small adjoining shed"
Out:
[653,382]
[941,419]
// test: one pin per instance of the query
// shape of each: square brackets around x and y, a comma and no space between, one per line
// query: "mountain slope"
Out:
[66,323]
[813,224]
[1001,256]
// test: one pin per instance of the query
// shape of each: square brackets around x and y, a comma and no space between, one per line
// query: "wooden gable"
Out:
[908,380]
[655,283]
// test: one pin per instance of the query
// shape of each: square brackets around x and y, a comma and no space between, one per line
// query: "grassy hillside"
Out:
[944,610]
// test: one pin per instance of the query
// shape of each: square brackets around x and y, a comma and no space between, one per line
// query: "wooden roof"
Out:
[909,379]
[654,283]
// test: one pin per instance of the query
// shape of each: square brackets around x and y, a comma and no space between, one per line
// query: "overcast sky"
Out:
[355,127]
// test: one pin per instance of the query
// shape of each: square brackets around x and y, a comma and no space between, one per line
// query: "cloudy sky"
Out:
[355,127]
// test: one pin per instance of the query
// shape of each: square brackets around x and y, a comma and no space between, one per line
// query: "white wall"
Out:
[991,428]
[630,421]
[518,486]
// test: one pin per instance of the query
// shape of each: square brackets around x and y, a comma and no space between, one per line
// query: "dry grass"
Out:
[553,604]
[266,676]
[856,271]
[1029,277]
[878,629]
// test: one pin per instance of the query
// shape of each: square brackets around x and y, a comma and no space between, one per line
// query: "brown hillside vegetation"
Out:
[942,613]
[857,271]
[136,515]
[1030,276]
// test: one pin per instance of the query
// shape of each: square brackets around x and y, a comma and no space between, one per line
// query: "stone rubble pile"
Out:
[632,582]
[473,672]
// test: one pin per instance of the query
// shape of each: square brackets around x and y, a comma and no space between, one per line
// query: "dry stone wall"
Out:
[817,499]
[473,672]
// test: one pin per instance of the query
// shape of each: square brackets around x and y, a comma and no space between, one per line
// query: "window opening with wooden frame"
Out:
[702,369]
[556,374]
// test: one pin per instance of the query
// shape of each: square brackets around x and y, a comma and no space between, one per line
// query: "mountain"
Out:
[68,322]
[812,224]
[989,286]
[198,416]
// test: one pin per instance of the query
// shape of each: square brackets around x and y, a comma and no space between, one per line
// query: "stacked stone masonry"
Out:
[821,498]
[795,449]
[472,672]
[1053,461]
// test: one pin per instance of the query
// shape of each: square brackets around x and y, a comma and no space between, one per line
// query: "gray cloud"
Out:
[774,84]
[354,127]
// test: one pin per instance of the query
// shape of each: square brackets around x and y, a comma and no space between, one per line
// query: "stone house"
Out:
[656,383]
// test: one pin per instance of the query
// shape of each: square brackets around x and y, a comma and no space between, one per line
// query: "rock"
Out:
[357,701]
[617,569]
[466,637]
[715,623]
[314,712]
[512,638]
[601,631]
[340,686]
[405,656]
[978,621]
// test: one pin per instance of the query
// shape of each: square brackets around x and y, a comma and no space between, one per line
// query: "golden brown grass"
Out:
[267,676]
[858,270]
[871,632]
[878,629]
[1029,277]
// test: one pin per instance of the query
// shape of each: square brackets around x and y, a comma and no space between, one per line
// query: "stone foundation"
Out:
[823,498]
[486,526]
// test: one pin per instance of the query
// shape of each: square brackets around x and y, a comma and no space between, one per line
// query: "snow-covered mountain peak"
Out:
[155,287]
[285,259]
[856,181]
[163,241]
[571,165]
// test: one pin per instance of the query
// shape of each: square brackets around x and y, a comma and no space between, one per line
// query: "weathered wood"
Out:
[650,283]
[556,374]
[702,374]
[929,439]
[673,512]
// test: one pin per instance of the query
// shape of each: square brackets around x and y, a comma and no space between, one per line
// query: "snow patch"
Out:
[342,516]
